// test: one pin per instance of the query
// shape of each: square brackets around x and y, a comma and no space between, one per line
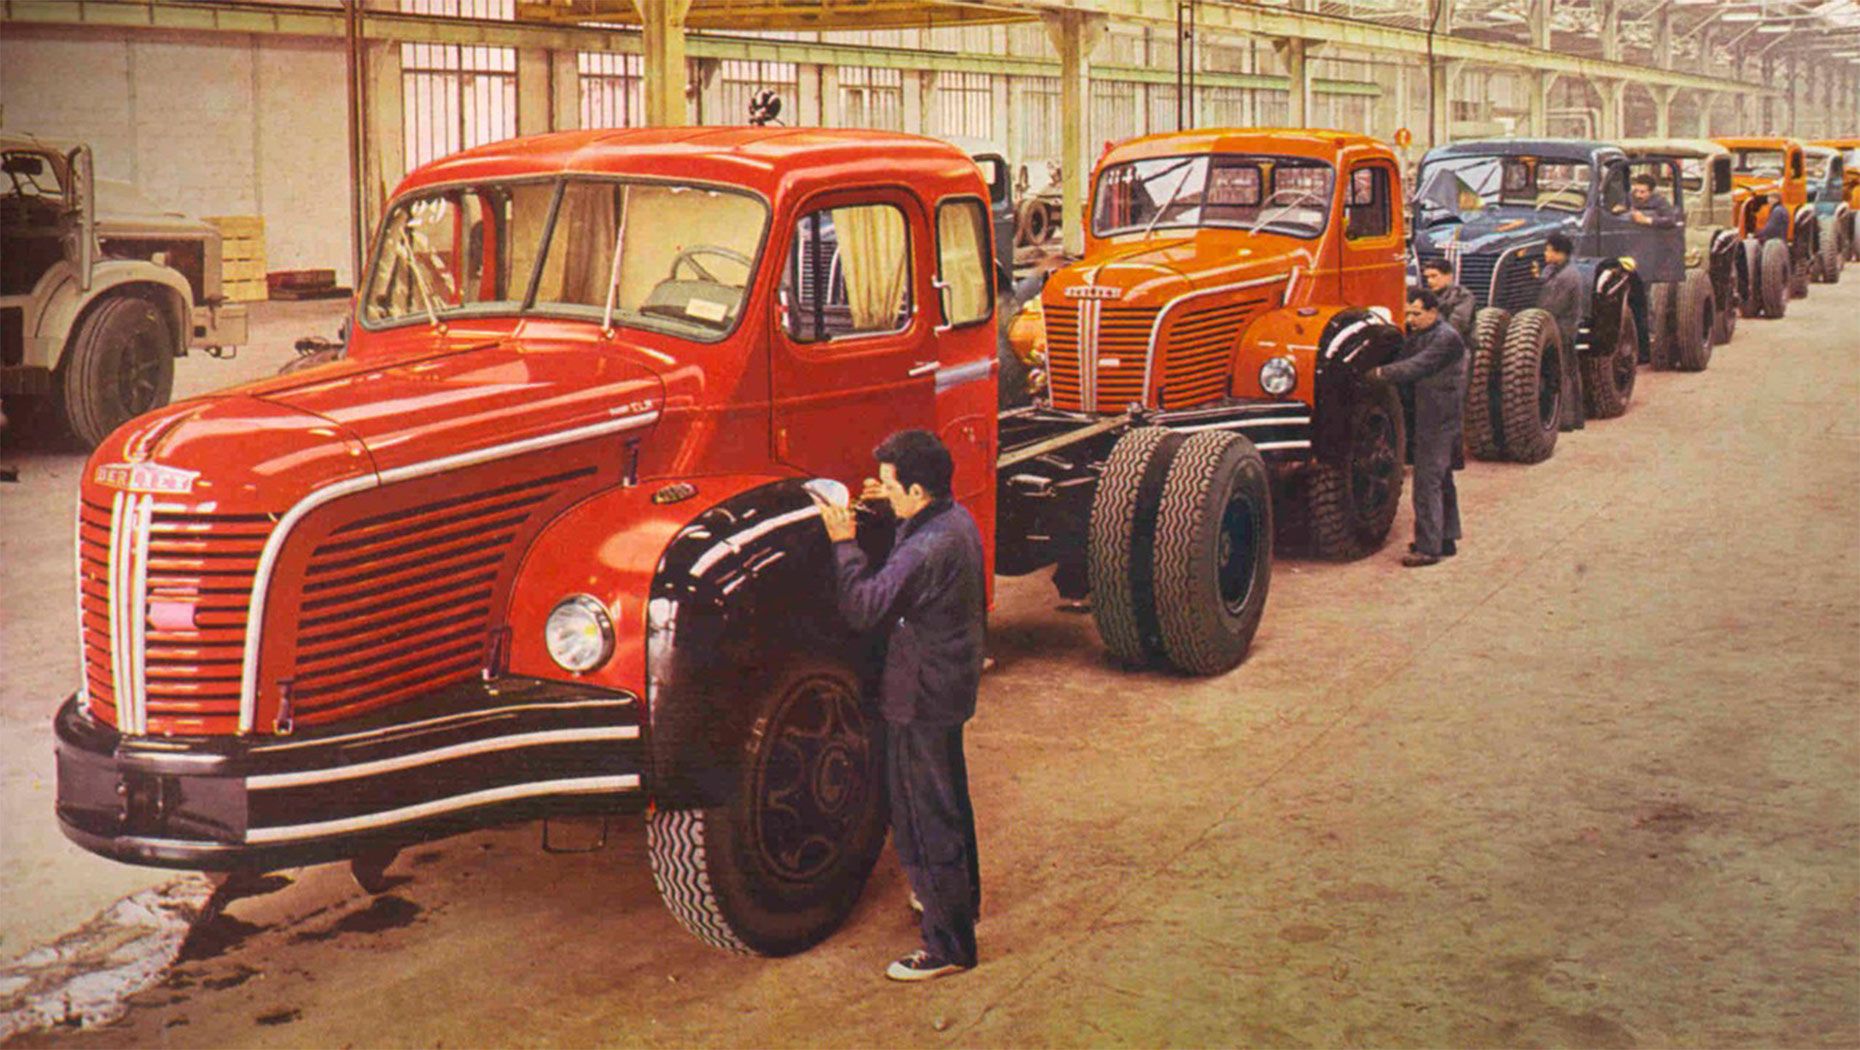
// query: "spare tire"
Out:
[1608,379]
[1773,278]
[1694,321]
[1484,396]
[1660,317]
[1121,541]
[1530,367]
[1213,555]
[1751,276]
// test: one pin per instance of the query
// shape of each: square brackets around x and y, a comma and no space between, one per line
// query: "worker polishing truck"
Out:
[543,540]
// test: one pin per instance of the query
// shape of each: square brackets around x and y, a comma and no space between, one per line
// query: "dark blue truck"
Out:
[1487,208]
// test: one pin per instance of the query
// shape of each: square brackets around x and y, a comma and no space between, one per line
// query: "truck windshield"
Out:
[1767,163]
[1289,195]
[686,253]
[1470,184]
[464,249]
[30,174]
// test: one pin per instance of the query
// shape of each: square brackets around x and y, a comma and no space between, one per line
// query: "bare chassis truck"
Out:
[1487,208]
[542,541]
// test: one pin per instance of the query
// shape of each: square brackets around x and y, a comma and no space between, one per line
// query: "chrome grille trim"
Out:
[274,544]
[83,652]
[1162,317]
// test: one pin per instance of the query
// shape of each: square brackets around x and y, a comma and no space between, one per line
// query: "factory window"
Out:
[739,80]
[963,104]
[611,92]
[454,96]
[872,98]
[1039,126]
[1114,113]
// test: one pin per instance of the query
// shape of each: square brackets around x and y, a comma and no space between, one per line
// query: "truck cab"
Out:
[1827,190]
[1849,149]
[1770,173]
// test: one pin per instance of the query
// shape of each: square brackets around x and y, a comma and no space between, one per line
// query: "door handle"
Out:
[923,368]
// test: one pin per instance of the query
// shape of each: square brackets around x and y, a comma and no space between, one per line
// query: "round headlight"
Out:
[579,634]
[1278,376]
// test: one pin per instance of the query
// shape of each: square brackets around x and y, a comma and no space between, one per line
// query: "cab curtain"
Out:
[589,218]
[961,245]
[874,264]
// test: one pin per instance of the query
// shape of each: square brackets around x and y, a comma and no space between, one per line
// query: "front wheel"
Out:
[777,868]
[1213,552]
[1773,278]
[1484,428]
[1531,377]
[1608,379]
[1830,252]
[1694,322]
[1351,504]
[120,364]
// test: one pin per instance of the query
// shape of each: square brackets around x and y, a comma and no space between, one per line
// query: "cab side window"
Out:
[1795,164]
[1615,189]
[1367,211]
[963,263]
[848,273]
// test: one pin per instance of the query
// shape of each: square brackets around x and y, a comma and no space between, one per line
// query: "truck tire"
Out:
[1696,318]
[1530,378]
[1752,304]
[1120,543]
[1484,397]
[1773,277]
[1351,505]
[1032,224]
[1851,236]
[1213,552]
[1011,390]
[1830,253]
[120,364]
[1608,379]
[779,867]
[1724,317]
[1660,316]
[1801,259]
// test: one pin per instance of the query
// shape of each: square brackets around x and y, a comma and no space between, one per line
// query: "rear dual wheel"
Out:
[1180,549]
[1608,379]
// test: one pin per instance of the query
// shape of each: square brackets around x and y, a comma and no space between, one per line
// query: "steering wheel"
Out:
[1571,188]
[1301,197]
[689,257]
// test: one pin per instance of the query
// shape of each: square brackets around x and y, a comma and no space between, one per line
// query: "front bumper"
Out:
[470,755]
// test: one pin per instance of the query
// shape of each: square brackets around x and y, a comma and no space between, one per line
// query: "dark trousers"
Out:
[1436,508]
[933,830]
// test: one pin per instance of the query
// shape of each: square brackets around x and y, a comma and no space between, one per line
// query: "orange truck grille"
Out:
[1097,355]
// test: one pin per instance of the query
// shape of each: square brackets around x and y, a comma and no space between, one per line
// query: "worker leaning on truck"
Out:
[1647,207]
[1561,298]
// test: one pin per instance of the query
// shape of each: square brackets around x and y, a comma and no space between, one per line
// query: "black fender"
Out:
[1722,264]
[740,590]
[1353,342]
[1615,285]
[1805,240]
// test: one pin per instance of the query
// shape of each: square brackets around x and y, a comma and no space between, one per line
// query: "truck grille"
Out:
[1518,284]
[191,616]
[1199,345]
[1118,343]
[402,603]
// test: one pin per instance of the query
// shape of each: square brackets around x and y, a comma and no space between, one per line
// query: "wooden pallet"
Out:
[242,257]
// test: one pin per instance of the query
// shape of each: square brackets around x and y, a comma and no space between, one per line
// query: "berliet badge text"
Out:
[147,477]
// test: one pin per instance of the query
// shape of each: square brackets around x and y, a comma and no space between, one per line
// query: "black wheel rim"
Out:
[1549,388]
[813,782]
[138,372]
[1374,465]
[1239,534]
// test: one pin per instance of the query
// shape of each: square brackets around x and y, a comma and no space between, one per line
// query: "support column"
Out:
[1074,35]
[1791,108]
[830,115]
[1292,55]
[662,36]
[1663,37]
[1540,11]
[533,90]
[1440,103]
[1612,91]
[1608,14]
[1663,95]
[706,106]
[566,76]
[806,96]
[913,102]
[1537,85]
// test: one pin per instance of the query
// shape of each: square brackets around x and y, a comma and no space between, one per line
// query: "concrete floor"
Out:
[1595,782]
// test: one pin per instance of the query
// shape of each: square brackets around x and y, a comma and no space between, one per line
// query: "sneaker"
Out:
[920,965]
[1418,560]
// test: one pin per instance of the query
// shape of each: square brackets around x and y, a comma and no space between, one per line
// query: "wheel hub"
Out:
[811,784]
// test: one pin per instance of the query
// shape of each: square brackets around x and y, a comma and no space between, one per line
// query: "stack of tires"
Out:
[1180,549]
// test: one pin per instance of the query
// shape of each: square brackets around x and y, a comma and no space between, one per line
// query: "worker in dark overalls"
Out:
[1561,297]
[928,596]
[1434,363]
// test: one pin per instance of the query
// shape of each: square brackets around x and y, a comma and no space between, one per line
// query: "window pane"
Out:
[848,271]
[962,262]
[686,253]
[1368,213]
[458,250]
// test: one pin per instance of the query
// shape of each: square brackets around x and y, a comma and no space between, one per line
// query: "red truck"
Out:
[542,542]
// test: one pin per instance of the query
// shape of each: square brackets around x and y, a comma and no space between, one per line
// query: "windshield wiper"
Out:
[404,245]
[1187,170]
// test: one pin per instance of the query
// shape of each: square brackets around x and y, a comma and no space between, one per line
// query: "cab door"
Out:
[853,351]
[1374,262]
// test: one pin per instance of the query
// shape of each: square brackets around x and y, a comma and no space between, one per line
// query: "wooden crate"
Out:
[242,257]
[246,291]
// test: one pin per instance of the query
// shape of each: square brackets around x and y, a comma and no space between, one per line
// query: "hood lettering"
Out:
[146,477]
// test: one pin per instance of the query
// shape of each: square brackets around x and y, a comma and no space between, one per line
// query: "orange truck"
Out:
[1235,282]
[1769,173]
